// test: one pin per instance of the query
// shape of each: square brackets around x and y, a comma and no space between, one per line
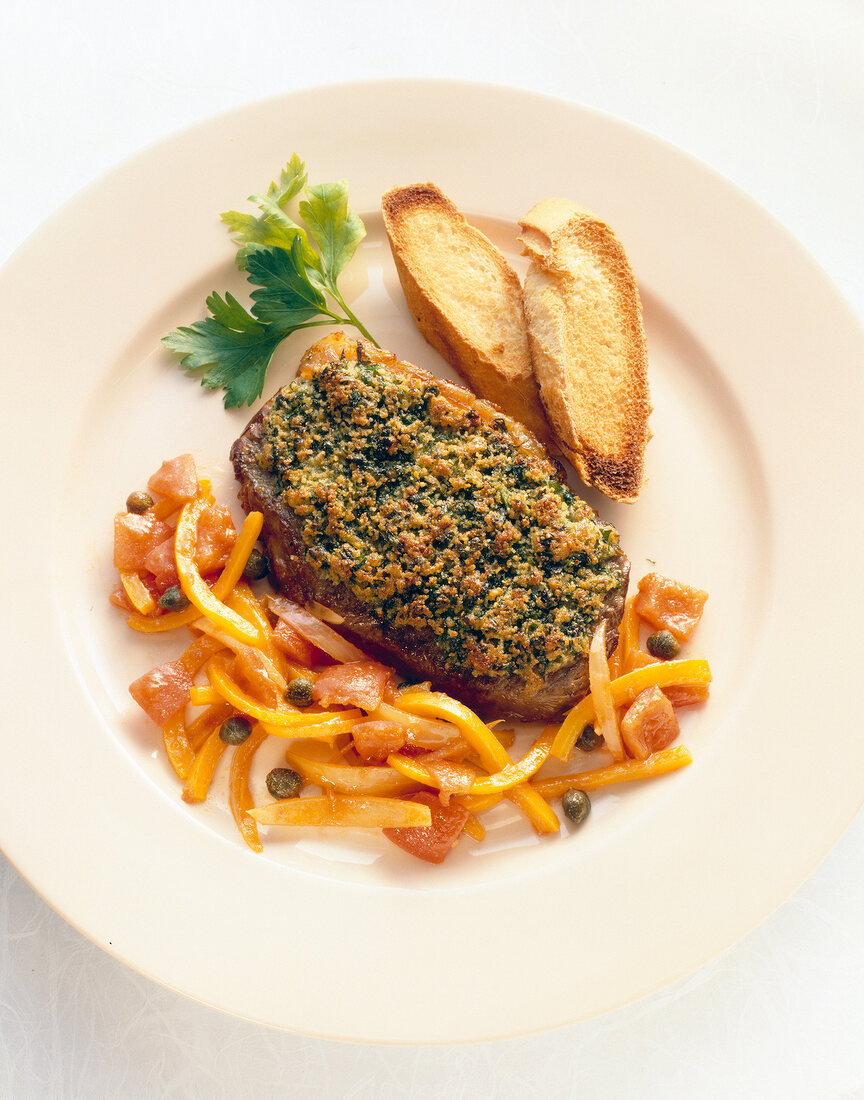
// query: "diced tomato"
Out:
[670,605]
[119,598]
[162,691]
[434,842]
[160,562]
[374,741]
[216,537]
[649,724]
[176,479]
[638,658]
[356,683]
[686,695]
[251,670]
[134,537]
[452,776]
[292,643]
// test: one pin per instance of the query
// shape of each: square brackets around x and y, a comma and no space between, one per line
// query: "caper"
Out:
[299,691]
[663,645]
[235,730]
[284,783]
[576,805]
[173,599]
[588,739]
[139,502]
[257,566]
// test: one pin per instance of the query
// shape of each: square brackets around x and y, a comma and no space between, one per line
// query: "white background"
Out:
[770,94]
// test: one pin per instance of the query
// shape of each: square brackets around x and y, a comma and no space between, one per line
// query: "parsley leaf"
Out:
[286,299]
[233,347]
[272,227]
[337,229]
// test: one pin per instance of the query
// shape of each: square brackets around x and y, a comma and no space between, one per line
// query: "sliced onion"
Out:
[314,631]
[606,720]
[253,653]
[424,733]
[324,613]
[350,779]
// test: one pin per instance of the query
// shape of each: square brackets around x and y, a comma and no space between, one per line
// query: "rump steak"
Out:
[436,526]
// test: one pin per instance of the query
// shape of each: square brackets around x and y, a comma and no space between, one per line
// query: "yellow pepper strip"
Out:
[477,804]
[632,654]
[629,631]
[200,696]
[138,593]
[201,773]
[199,653]
[232,693]
[257,654]
[243,600]
[177,746]
[474,828]
[624,690]
[199,730]
[326,727]
[195,588]
[247,536]
[341,810]
[351,779]
[411,767]
[669,760]
[606,717]
[493,756]
[239,795]
[226,580]
[508,777]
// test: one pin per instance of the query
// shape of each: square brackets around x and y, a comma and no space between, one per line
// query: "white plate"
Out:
[755,370]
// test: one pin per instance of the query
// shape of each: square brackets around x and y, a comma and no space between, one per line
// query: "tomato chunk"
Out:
[649,724]
[453,777]
[118,598]
[686,695]
[374,741]
[163,690]
[434,842]
[670,605]
[292,643]
[160,562]
[250,668]
[356,683]
[176,479]
[215,538]
[134,537]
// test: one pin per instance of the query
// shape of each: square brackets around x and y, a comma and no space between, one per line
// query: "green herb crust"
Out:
[437,520]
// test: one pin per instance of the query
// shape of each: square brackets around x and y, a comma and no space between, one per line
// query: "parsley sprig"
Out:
[294,282]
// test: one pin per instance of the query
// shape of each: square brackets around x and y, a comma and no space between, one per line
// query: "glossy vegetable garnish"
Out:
[662,645]
[235,730]
[437,522]
[284,782]
[294,280]
[576,805]
[363,751]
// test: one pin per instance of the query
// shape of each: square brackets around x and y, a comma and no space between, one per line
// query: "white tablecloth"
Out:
[770,94]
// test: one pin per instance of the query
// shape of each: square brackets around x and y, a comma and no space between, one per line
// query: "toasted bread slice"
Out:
[588,345]
[466,300]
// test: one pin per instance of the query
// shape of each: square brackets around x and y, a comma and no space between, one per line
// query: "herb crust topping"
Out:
[437,520]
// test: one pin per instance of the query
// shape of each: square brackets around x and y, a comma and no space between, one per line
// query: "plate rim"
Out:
[370,89]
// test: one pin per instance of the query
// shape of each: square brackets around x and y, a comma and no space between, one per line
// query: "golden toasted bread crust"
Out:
[588,344]
[465,299]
